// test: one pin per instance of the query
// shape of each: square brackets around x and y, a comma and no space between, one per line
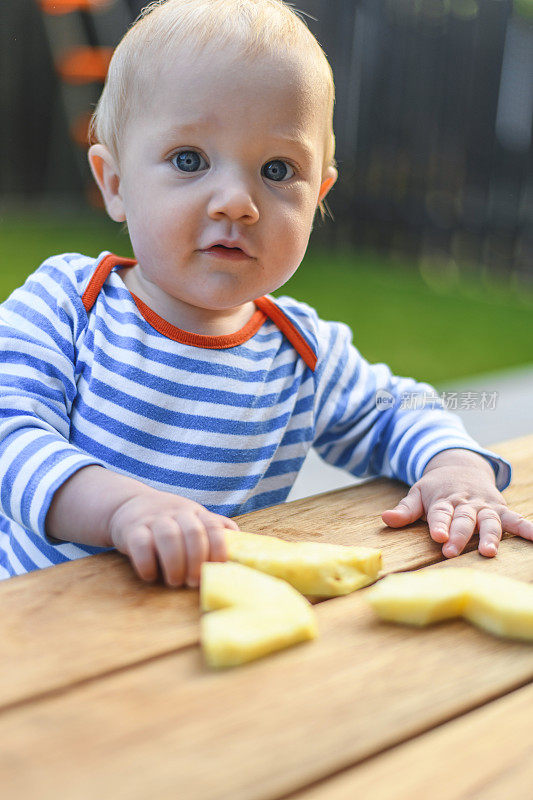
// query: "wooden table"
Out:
[104,692]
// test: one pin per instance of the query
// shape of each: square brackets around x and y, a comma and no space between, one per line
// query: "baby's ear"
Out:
[106,175]
[329,178]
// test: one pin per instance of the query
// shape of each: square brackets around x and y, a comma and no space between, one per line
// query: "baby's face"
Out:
[220,175]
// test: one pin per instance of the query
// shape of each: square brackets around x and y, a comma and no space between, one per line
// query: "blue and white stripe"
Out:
[228,428]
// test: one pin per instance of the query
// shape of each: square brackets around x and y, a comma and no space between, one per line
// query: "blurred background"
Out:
[429,256]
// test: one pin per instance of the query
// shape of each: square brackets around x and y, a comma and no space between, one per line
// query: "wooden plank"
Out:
[84,618]
[100,617]
[484,755]
[269,727]
[515,559]
[353,515]
[519,453]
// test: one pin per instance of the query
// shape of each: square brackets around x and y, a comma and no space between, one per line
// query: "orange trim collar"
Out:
[265,308]
[196,339]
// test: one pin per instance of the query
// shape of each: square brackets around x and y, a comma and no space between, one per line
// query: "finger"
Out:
[230,523]
[409,509]
[196,547]
[223,522]
[461,529]
[490,532]
[215,525]
[440,516]
[170,550]
[514,523]
[140,549]
[218,550]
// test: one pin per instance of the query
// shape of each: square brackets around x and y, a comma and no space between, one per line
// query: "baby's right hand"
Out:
[179,534]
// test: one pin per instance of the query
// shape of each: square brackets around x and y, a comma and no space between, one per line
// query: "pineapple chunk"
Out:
[252,614]
[314,568]
[502,606]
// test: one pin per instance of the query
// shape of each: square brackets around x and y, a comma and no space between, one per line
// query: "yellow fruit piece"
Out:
[313,568]
[502,606]
[252,614]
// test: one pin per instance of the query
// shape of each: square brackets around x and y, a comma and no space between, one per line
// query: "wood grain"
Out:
[519,452]
[101,617]
[353,515]
[484,755]
[83,618]
[92,616]
[268,728]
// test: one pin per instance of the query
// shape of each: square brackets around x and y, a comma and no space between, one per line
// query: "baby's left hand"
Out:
[457,495]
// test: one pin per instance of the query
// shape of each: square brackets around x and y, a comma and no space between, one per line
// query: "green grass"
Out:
[25,242]
[396,317]
[434,335]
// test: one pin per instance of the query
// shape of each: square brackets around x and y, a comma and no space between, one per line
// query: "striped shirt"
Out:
[91,375]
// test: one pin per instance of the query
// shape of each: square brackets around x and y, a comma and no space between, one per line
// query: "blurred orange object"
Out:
[79,130]
[56,7]
[84,64]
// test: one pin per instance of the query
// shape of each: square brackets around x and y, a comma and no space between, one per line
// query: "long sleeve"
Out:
[40,325]
[369,421]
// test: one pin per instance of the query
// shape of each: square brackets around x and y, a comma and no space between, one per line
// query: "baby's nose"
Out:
[232,198]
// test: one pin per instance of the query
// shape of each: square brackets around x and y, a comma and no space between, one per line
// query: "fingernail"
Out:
[451,551]
[492,549]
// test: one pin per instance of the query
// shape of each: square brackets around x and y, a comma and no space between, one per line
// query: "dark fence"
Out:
[433,121]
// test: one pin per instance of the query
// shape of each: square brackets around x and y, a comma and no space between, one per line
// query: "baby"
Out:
[145,402]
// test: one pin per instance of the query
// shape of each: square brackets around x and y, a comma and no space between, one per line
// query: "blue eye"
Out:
[277,170]
[189,161]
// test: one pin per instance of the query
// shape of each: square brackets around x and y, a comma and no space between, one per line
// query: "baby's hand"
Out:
[457,495]
[179,534]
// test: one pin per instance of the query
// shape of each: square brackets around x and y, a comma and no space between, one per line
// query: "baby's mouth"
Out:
[227,253]
[218,247]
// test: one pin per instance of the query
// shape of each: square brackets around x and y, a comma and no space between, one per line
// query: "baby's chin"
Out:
[225,309]
[226,298]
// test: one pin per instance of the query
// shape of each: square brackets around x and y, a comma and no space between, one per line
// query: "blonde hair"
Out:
[264,27]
